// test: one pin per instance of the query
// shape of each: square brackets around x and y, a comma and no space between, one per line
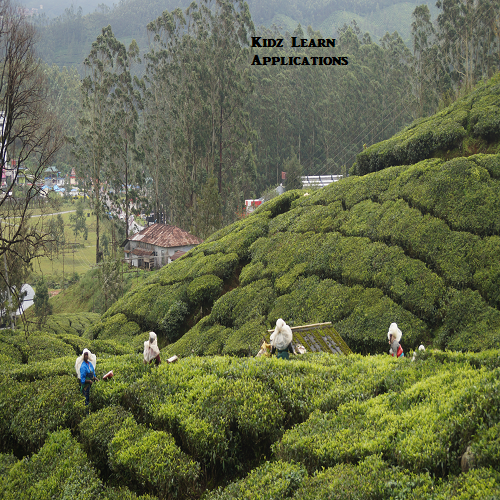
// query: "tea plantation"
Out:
[416,242]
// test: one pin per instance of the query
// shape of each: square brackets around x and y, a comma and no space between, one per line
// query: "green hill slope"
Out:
[359,427]
[414,244]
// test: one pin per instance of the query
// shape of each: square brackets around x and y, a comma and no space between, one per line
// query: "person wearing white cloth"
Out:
[85,371]
[151,350]
[281,340]
[394,335]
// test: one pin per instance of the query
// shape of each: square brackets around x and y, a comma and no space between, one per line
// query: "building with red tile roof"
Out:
[157,245]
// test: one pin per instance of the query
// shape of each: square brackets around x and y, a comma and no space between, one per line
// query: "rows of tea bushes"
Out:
[370,479]
[473,118]
[416,243]
[306,428]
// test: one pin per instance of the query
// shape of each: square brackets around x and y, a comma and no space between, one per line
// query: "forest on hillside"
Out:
[200,128]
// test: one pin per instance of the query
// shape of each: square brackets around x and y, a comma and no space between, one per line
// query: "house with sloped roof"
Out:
[157,245]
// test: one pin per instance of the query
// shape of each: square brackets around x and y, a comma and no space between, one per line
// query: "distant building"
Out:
[251,205]
[72,177]
[158,245]
[319,180]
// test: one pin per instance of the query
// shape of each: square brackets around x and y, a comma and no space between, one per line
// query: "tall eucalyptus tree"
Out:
[198,73]
[108,124]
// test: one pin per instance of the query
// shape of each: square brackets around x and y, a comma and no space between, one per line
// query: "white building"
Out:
[155,246]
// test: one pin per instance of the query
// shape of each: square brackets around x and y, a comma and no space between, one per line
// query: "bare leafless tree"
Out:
[30,137]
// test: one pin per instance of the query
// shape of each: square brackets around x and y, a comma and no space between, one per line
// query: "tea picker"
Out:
[394,335]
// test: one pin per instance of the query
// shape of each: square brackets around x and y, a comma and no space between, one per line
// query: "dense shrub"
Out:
[243,304]
[386,424]
[113,327]
[150,457]
[468,324]
[53,403]
[279,204]
[40,346]
[276,480]
[59,470]
[426,137]
[72,324]
[371,479]
[246,340]
[203,339]
[126,370]
[204,289]
[236,238]
[98,429]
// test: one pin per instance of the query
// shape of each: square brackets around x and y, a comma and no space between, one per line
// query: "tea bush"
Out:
[246,340]
[386,424]
[371,479]
[203,339]
[468,324]
[98,429]
[115,327]
[205,289]
[276,480]
[243,304]
[126,370]
[68,323]
[59,470]
[39,346]
[238,238]
[443,131]
[151,458]
[253,272]
[53,403]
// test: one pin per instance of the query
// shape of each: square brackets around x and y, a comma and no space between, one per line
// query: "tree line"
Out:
[198,129]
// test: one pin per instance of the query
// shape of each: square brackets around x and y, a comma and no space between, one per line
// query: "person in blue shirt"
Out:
[86,374]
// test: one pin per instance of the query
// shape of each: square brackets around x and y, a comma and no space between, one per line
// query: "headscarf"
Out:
[151,349]
[92,358]
[395,332]
[282,335]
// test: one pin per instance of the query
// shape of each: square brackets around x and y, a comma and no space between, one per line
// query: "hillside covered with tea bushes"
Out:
[468,126]
[417,244]
[318,426]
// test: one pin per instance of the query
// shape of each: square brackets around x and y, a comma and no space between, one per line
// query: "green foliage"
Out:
[137,453]
[444,131]
[112,328]
[41,302]
[244,341]
[221,417]
[205,289]
[243,304]
[54,403]
[276,480]
[371,479]
[203,339]
[98,429]
[59,470]
[68,323]
[40,346]
[386,424]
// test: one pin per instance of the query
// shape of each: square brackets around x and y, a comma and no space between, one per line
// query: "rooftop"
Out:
[165,236]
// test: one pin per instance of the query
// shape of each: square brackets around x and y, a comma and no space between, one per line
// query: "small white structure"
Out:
[319,180]
[157,245]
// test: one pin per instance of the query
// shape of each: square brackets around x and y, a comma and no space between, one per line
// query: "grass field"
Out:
[77,255]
